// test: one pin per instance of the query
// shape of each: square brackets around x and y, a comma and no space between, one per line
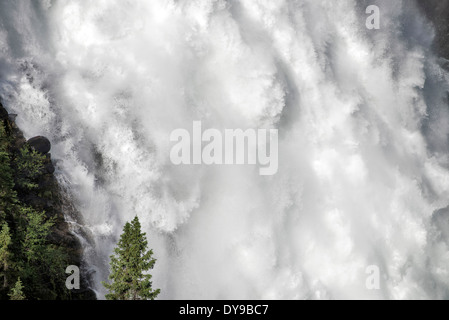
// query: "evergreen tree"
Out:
[129,265]
[35,235]
[16,292]
[41,265]
[5,241]
[8,196]
[30,164]
[27,245]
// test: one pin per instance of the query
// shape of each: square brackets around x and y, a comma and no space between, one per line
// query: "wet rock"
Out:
[12,117]
[40,144]
[3,113]
[54,201]
[437,12]
[49,168]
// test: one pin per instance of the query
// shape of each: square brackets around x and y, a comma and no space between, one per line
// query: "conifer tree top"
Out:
[130,264]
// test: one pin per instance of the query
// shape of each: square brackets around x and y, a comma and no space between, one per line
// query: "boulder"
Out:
[40,144]
[49,168]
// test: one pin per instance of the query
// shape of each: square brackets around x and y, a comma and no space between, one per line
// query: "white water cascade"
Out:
[363,127]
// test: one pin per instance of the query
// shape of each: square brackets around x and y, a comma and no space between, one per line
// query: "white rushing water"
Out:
[363,138]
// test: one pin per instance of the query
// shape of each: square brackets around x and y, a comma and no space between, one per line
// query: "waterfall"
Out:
[363,125]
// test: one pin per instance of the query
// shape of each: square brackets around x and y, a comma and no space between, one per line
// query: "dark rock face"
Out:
[40,144]
[49,168]
[55,201]
[437,11]
[3,113]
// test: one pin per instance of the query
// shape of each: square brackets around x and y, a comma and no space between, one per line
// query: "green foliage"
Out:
[129,265]
[16,292]
[30,164]
[41,265]
[5,242]
[7,194]
[25,251]
[37,229]
[4,139]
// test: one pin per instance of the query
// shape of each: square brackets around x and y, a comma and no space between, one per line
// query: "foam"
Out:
[358,178]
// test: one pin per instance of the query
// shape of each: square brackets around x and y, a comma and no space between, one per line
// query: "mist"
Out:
[363,127]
